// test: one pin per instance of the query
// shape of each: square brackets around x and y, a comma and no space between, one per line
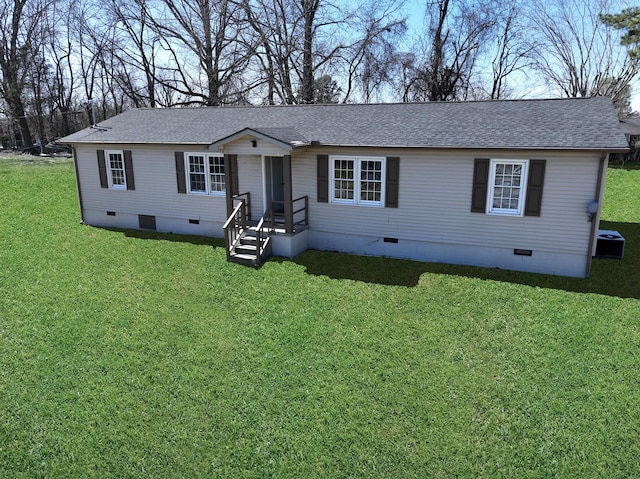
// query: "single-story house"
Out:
[507,184]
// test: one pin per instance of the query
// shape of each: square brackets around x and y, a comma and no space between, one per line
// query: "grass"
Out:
[129,354]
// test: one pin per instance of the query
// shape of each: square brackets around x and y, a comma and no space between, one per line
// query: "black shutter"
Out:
[323,178]
[180,174]
[102,170]
[535,184]
[393,180]
[128,170]
[480,185]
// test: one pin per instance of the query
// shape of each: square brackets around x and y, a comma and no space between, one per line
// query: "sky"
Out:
[415,10]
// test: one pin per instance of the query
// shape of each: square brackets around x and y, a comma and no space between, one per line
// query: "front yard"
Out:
[131,354]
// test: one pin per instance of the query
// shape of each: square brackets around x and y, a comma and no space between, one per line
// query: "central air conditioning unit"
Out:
[610,244]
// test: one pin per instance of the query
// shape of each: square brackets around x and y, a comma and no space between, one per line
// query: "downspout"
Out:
[595,221]
[75,166]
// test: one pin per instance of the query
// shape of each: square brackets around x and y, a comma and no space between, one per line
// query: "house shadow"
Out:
[173,237]
[611,277]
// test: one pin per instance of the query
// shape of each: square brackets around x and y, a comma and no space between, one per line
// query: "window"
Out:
[507,184]
[115,170]
[205,173]
[371,181]
[357,180]
[216,173]
[343,180]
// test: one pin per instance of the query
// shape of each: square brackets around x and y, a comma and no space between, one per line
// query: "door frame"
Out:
[267,179]
[287,188]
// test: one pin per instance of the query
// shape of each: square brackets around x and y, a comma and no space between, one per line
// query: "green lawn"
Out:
[128,354]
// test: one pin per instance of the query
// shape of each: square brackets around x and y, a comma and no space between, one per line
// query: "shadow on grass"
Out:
[627,165]
[173,237]
[610,277]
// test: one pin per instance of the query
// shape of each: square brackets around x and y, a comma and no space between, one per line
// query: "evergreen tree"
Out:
[629,20]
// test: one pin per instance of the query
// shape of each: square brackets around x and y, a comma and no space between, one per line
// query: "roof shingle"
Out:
[576,123]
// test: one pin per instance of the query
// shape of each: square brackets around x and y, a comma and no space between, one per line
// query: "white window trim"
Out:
[207,174]
[523,188]
[107,160]
[356,177]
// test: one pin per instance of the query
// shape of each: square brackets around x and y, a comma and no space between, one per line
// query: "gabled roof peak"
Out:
[283,137]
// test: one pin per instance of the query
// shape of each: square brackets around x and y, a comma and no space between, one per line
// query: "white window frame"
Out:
[208,191]
[491,210]
[107,160]
[211,174]
[357,165]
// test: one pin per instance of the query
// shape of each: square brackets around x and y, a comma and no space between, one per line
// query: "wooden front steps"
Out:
[250,243]
[245,249]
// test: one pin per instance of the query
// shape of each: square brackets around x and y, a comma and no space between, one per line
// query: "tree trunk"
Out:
[437,57]
[12,65]
[17,113]
[309,9]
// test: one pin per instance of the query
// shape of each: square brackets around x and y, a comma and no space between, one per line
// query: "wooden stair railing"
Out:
[233,228]
[252,244]
[246,244]
[296,220]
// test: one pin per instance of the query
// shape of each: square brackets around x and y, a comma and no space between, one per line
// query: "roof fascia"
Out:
[125,142]
[505,148]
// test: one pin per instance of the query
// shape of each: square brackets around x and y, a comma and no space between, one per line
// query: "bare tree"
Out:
[20,40]
[207,60]
[309,9]
[455,38]
[60,50]
[276,46]
[619,94]
[132,19]
[373,59]
[59,55]
[38,77]
[295,42]
[578,55]
[512,51]
[93,38]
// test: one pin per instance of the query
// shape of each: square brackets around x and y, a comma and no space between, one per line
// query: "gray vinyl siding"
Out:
[156,190]
[433,220]
[250,180]
[435,199]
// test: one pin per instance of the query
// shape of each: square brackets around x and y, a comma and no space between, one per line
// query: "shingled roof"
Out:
[577,123]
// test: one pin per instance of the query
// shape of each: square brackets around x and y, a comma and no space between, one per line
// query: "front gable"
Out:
[284,138]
